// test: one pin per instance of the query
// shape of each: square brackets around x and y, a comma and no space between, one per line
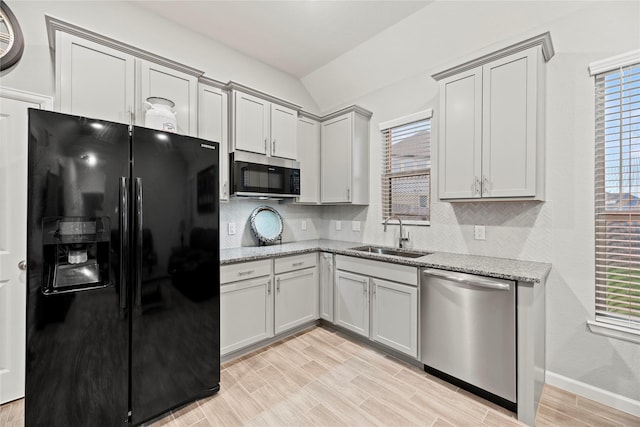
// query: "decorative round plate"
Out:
[266,224]
[11,40]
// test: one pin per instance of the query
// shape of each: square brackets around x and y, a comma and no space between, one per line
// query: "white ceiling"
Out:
[295,36]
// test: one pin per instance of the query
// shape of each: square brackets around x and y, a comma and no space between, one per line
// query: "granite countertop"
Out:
[503,268]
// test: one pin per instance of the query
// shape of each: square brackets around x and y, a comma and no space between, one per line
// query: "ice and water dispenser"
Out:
[76,253]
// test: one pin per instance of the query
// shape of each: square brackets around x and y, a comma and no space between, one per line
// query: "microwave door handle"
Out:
[138,219]
[124,240]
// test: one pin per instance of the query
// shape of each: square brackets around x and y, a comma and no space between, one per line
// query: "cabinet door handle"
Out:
[265,145]
[273,147]
[278,284]
[477,185]
[269,287]
[244,273]
[348,194]
[485,185]
[224,188]
[295,264]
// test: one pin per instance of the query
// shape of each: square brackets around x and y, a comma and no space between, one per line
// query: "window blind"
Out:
[617,196]
[406,170]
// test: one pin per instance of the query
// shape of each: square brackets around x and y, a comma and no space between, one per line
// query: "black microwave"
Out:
[254,175]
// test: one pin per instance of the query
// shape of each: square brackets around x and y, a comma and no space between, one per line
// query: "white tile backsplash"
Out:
[238,211]
[519,230]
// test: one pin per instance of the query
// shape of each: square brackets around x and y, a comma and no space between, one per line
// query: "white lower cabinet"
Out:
[326,273]
[245,313]
[260,299]
[296,298]
[394,315]
[352,302]
[246,304]
[380,308]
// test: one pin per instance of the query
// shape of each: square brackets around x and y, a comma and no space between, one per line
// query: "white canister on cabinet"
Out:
[159,114]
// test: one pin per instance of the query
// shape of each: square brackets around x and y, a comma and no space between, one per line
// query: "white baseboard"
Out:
[605,397]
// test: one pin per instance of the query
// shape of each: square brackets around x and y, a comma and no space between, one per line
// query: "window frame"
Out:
[402,121]
[627,330]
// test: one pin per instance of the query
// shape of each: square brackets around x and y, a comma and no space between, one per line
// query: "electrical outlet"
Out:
[338,225]
[303,224]
[232,228]
[355,225]
[479,232]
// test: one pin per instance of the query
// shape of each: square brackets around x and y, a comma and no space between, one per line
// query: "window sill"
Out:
[614,331]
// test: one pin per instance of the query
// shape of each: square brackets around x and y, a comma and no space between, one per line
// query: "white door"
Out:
[352,302]
[251,117]
[164,82]
[246,315]
[460,141]
[284,132]
[395,316]
[509,126]
[13,238]
[326,286]
[296,298]
[335,163]
[309,157]
[213,125]
[93,80]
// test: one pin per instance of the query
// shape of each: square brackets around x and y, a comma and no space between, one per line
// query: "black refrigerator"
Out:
[123,280]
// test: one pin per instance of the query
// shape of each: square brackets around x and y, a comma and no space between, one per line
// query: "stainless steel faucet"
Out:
[401,239]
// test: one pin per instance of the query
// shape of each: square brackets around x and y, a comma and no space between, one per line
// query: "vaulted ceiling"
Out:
[296,37]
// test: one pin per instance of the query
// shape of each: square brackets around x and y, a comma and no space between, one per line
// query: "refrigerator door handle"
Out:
[124,240]
[138,219]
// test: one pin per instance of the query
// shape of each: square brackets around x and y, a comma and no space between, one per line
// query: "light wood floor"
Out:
[321,378]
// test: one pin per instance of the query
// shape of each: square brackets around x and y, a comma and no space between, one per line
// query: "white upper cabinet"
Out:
[344,157]
[309,158]
[491,126]
[155,80]
[336,159]
[264,127]
[460,135]
[93,80]
[509,131]
[102,78]
[284,132]
[213,125]
[251,123]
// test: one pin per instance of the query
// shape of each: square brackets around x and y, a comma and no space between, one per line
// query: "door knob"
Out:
[22,265]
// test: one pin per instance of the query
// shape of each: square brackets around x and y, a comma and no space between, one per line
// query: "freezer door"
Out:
[77,322]
[175,351]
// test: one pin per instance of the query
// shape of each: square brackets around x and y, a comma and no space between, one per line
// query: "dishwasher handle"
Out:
[469,279]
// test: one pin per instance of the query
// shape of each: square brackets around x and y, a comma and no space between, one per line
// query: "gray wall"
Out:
[561,230]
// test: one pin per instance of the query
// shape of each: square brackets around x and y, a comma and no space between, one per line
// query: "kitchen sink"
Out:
[390,251]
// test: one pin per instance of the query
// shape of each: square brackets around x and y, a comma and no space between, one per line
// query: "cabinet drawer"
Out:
[384,270]
[244,270]
[295,262]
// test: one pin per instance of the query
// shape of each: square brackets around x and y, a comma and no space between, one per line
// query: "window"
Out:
[617,192]
[406,167]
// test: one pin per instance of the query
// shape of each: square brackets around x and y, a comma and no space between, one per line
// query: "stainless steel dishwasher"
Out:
[468,331]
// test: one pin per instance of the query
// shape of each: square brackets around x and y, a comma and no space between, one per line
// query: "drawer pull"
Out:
[244,273]
[296,264]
